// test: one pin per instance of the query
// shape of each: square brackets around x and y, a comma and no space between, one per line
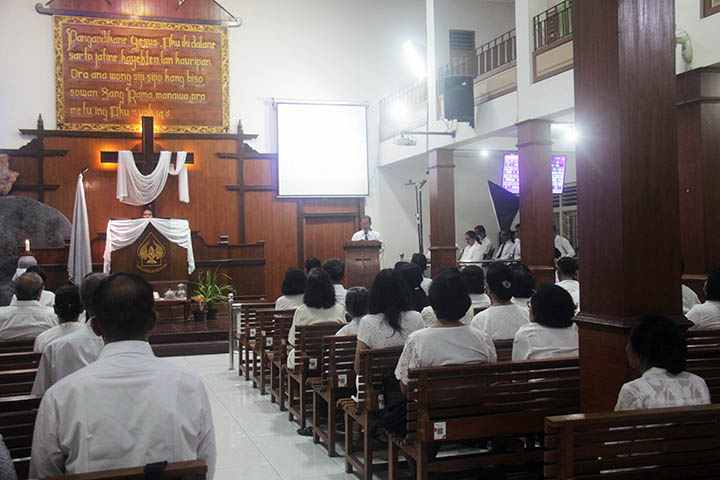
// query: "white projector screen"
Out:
[322,150]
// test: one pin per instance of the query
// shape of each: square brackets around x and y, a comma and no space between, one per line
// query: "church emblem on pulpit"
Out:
[152,256]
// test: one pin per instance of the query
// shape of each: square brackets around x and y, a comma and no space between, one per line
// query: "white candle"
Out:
[27,244]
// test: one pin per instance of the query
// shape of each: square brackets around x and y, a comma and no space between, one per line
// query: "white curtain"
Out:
[121,233]
[134,188]
[79,261]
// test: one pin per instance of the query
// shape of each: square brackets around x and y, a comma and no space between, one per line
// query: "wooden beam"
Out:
[441,166]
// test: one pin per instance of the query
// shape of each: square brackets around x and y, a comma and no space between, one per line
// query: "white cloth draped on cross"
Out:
[134,188]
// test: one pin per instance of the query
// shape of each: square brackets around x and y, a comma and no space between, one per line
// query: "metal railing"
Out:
[404,109]
[553,24]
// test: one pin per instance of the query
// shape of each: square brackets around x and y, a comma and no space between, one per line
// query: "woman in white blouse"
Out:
[475,281]
[657,349]
[503,318]
[293,289]
[523,285]
[391,319]
[706,316]
[551,332]
[448,341]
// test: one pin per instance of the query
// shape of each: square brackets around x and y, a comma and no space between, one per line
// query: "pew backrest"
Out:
[705,362]
[338,362]
[17,382]
[19,360]
[374,364]
[503,348]
[191,470]
[273,328]
[702,338]
[15,346]
[247,318]
[681,442]
[309,346]
[17,422]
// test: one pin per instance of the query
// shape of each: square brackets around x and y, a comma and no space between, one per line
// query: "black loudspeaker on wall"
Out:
[460,99]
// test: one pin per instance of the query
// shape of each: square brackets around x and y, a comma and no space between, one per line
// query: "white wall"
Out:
[704,34]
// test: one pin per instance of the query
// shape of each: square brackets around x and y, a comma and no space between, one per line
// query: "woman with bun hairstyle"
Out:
[503,318]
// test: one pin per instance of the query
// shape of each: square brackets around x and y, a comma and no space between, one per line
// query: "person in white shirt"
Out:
[129,408]
[656,348]
[421,261]
[689,297]
[472,251]
[474,278]
[293,289]
[47,298]
[336,269]
[26,319]
[551,332]
[70,353]
[562,245]
[706,316]
[68,308]
[485,243]
[448,341]
[523,285]
[516,242]
[366,232]
[506,250]
[567,272]
[357,305]
[503,318]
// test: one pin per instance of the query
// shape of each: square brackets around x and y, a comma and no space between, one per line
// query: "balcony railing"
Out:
[553,24]
[403,110]
[484,59]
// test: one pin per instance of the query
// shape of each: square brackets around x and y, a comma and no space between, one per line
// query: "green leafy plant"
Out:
[209,291]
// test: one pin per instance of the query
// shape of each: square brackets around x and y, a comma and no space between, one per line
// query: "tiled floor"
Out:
[254,439]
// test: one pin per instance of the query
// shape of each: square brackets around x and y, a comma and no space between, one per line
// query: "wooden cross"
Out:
[362,262]
[146,159]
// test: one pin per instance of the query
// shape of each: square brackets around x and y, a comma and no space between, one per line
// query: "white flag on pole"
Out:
[79,261]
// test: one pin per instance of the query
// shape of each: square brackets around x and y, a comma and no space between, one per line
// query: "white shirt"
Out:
[505,251]
[57,331]
[534,341]
[376,332]
[516,252]
[658,388]
[689,298]
[25,319]
[501,322]
[705,316]
[472,253]
[564,247]
[351,328]
[127,409]
[485,245]
[435,347]
[430,319]
[479,300]
[340,293]
[289,302]
[425,285]
[47,299]
[573,288]
[371,235]
[305,315]
[66,355]
[521,302]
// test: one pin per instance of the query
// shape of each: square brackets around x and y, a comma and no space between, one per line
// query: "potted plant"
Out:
[208,293]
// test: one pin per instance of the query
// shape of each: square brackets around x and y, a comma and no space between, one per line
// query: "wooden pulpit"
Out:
[153,257]
[362,262]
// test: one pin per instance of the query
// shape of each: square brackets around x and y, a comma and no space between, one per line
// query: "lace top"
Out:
[376,332]
[658,388]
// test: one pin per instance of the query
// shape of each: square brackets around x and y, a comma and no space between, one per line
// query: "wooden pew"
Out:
[503,402]
[192,470]
[17,422]
[264,340]
[705,362]
[246,331]
[638,444]
[503,348]
[364,412]
[308,356]
[702,338]
[17,382]
[19,360]
[277,355]
[16,346]
[337,380]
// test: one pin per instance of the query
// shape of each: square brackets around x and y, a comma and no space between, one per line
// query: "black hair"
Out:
[335,268]
[357,301]
[471,234]
[294,282]
[712,285]
[474,278]
[658,340]
[312,262]
[67,303]
[499,281]
[399,264]
[87,289]
[523,281]
[449,296]
[420,260]
[568,266]
[552,306]
[390,296]
[124,307]
[319,292]
[366,216]
[28,286]
[412,275]
[39,270]
[480,228]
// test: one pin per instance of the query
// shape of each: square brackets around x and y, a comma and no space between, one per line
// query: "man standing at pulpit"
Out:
[366,232]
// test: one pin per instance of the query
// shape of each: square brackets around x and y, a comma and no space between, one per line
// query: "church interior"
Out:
[205,153]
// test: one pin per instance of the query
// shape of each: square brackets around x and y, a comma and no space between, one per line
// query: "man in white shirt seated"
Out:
[472,251]
[47,298]
[129,408]
[336,269]
[366,232]
[72,352]
[706,316]
[485,243]
[689,297]
[567,271]
[562,245]
[26,318]
[68,308]
[506,250]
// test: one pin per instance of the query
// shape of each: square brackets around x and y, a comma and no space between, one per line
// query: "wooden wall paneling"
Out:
[325,236]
